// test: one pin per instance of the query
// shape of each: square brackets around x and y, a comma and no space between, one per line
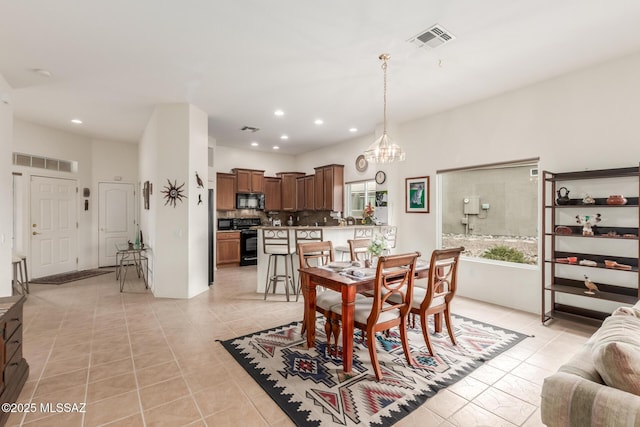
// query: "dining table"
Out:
[348,286]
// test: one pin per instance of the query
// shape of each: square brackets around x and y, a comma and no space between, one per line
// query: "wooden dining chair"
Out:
[307,235]
[394,277]
[316,254]
[358,249]
[441,287]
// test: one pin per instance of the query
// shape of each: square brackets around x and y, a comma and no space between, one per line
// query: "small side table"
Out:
[128,256]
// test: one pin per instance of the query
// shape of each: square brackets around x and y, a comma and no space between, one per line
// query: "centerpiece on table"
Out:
[376,248]
[368,217]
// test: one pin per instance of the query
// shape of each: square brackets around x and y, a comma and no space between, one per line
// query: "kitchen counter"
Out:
[334,233]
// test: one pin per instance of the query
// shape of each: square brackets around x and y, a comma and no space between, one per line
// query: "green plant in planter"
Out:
[505,253]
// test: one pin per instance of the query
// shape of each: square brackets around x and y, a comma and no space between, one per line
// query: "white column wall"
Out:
[6,182]
[173,148]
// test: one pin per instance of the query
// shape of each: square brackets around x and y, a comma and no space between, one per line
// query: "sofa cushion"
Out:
[616,354]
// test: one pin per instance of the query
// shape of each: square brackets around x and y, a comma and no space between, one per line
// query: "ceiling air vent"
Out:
[433,37]
[250,129]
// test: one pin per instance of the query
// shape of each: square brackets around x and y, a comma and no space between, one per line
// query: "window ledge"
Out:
[500,263]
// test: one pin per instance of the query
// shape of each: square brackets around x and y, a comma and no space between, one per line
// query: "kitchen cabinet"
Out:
[15,369]
[272,194]
[225,191]
[309,192]
[329,188]
[249,180]
[607,256]
[289,196]
[300,194]
[228,248]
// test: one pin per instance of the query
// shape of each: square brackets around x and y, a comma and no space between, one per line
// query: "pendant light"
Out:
[384,150]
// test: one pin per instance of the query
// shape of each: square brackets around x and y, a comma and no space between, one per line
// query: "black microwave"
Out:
[225,224]
[250,201]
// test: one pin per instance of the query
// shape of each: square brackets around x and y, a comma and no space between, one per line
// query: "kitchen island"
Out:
[338,235]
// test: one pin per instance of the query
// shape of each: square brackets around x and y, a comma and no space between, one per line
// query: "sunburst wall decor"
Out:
[173,192]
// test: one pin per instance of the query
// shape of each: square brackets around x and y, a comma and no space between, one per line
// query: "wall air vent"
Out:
[250,129]
[20,159]
[433,37]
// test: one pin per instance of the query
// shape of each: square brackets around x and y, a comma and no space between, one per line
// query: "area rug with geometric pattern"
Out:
[312,389]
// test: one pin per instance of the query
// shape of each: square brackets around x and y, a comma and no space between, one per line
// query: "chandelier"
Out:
[384,150]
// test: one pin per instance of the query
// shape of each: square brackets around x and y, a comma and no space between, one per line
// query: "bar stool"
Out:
[358,233]
[19,262]
[307,235]
[276,244]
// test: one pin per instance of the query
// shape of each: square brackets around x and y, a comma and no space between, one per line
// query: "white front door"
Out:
[116,219]
[53,226]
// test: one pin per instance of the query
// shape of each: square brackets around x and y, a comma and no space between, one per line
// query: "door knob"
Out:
[35,233]
[34,225]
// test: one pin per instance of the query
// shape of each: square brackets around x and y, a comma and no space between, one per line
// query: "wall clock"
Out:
[381,177]
[361,163]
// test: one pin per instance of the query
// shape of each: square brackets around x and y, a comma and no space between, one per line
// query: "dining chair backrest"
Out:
[305,235]
[358,248]
[389,232]
[394,277]
[443,277]
[362,232]
[275,240]
[313,254]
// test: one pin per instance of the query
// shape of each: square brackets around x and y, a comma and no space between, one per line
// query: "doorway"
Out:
[53,229]
[116,219]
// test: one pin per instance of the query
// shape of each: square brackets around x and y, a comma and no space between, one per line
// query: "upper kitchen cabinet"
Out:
[329,188]
[272,194]
[225,191]
[249,180]
[288,187]
[300,194]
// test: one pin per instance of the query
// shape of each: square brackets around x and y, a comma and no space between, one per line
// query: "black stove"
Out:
[248,239]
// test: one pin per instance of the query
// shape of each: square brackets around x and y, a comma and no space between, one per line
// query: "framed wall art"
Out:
[417,194]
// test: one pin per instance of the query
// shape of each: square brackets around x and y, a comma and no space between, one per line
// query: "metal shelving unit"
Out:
[552,281]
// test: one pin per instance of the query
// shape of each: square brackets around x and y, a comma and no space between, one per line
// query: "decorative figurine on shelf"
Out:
[588,200]
[592,287]
[587,222]
[563,196]
[368,218]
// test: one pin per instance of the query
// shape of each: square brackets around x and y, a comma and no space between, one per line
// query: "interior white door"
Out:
[116,219]
[53,226]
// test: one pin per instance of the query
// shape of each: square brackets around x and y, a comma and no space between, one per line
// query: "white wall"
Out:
[98,161]
[172,149]
[6,182]
[582,120]
[227,158]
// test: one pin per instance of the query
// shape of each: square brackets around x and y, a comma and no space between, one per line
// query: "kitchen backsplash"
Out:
[298,218]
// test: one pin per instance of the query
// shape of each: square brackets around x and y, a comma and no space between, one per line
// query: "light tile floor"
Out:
[138,360]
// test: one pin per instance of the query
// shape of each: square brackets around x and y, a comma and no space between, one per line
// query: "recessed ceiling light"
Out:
[76,121]
[42,72]
[318,121]
[284,137]
[254,144]
[275,147]
[353,130]
[279,113]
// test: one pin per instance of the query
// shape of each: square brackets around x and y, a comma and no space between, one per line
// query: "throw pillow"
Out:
[616,356]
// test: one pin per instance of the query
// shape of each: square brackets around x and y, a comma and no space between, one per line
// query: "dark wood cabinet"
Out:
[309,192]
[15,369]
[300,193]
[289,196]
[225,191]
[329,188]
[572,254]
[228,248]
[272,194]
[249,180]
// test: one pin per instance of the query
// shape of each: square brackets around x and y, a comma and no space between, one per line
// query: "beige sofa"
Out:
[600,385]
